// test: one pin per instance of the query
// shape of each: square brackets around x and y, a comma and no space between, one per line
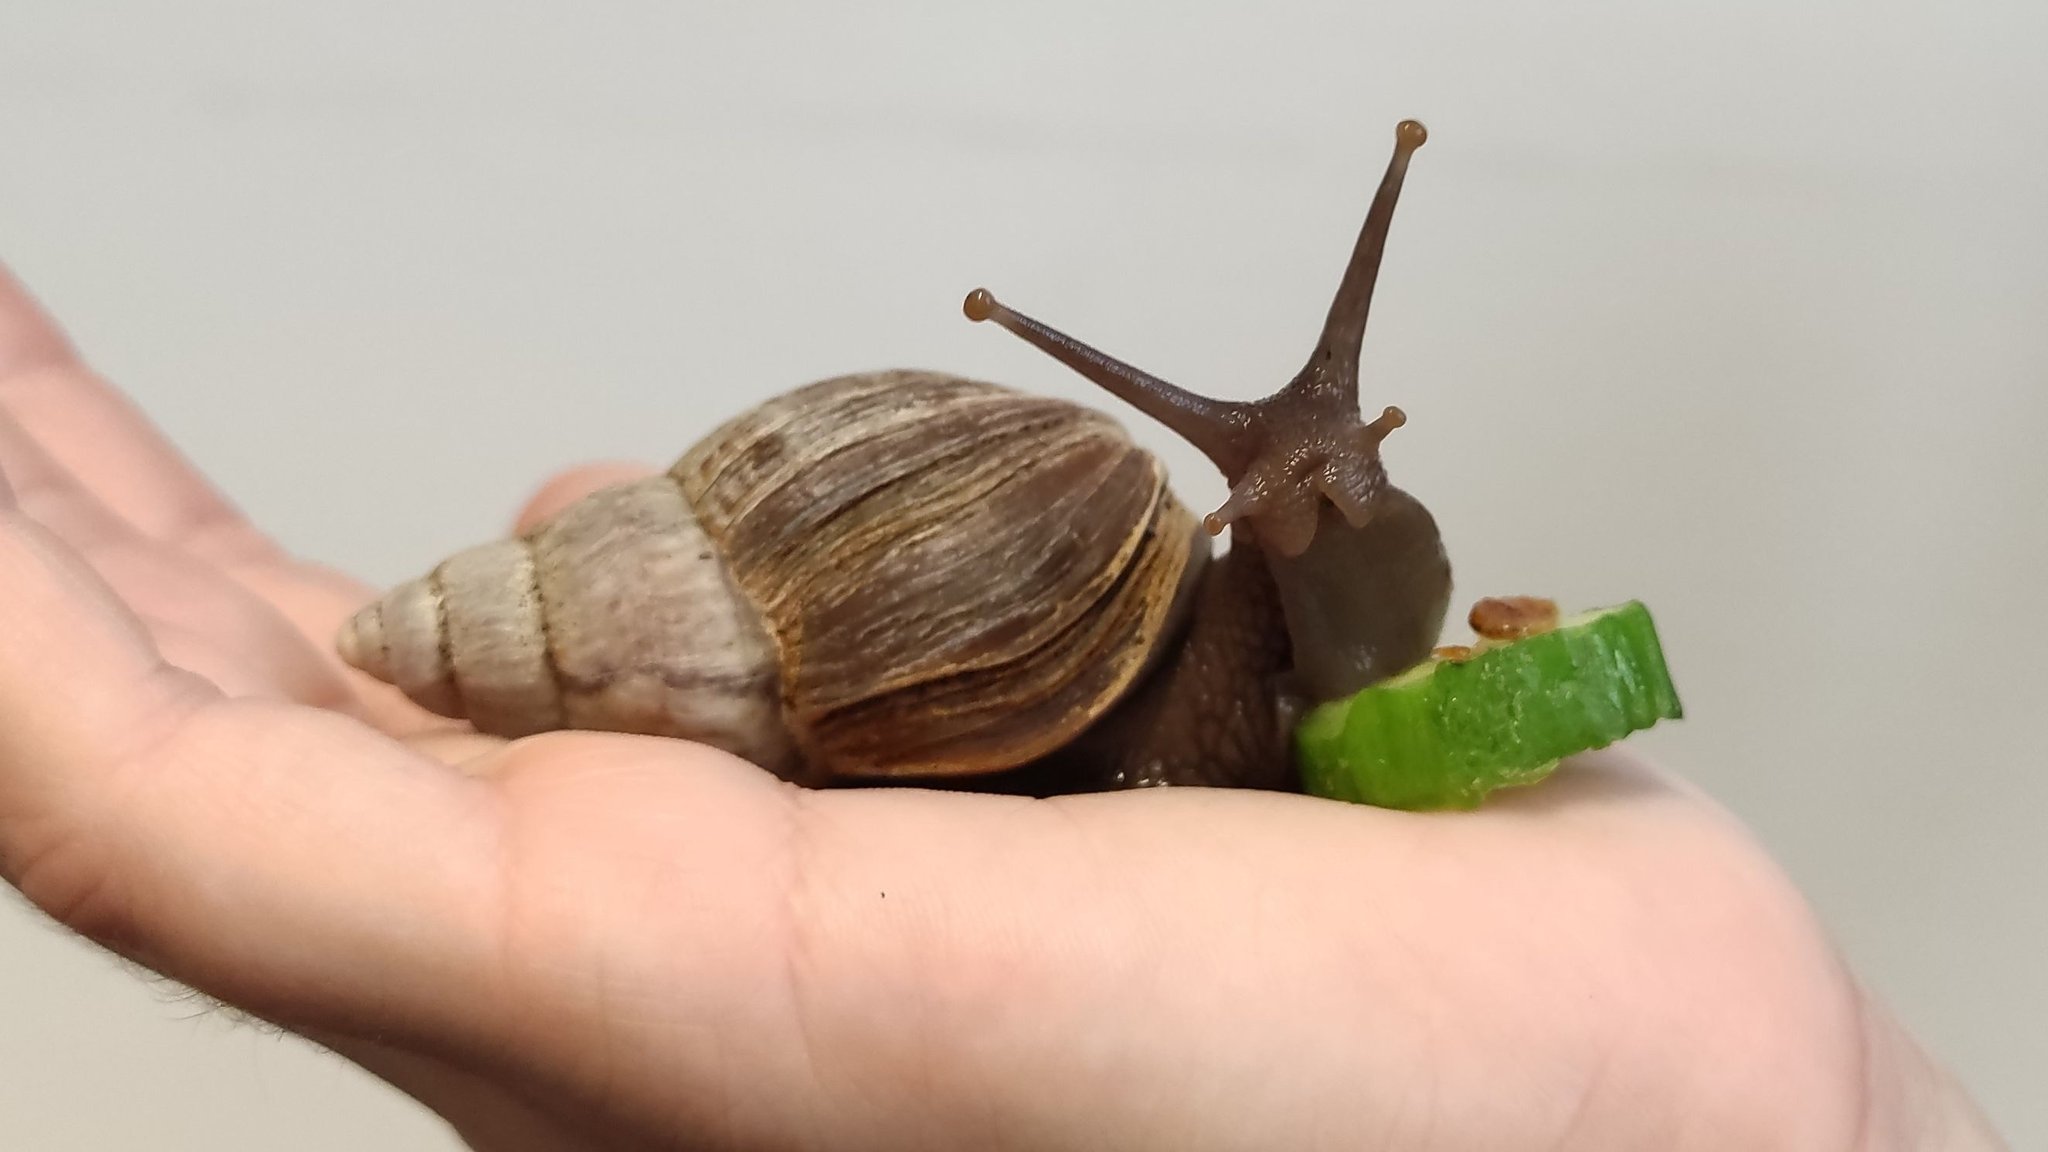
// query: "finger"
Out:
[571,486]
[280,858]
[49,494]
[95,432]
[262,625]
[222,630]
[316,602]
[108,450]
[29,338]
[54,394]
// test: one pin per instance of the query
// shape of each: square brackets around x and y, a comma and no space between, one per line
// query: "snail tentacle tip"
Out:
[980,305]
[1382,425]
[1244,500]
[1410,134]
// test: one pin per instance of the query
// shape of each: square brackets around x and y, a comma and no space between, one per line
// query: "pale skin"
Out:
[584,941]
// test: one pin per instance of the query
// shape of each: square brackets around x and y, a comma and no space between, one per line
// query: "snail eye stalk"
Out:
[1300,446]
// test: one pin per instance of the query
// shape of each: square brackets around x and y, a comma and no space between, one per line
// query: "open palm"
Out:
[591,941]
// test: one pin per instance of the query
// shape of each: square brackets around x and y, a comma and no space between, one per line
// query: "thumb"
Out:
[573,485]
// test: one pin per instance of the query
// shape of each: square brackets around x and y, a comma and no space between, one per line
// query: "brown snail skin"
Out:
[911,577]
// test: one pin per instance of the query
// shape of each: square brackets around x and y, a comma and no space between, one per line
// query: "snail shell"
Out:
[892,574]
[912,575]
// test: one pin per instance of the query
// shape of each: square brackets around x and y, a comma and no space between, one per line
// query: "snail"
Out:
[907,576]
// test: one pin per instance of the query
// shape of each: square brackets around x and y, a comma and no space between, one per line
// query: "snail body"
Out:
[913,576]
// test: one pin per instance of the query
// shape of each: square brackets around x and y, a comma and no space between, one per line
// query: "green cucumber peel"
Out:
[1449,732]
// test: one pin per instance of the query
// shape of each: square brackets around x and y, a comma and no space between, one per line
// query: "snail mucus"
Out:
[910,577]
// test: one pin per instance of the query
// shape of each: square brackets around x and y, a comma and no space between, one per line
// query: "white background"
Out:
[1733,307]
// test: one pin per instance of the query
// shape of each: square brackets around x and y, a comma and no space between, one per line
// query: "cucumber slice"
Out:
[1449,731]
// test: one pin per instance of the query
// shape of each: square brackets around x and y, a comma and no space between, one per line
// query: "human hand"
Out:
[594,941]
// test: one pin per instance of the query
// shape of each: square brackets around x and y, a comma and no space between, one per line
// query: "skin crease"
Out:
[582,941]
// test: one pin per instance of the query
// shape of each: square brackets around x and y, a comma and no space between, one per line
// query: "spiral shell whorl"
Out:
[614,616]
[960,578]
[890,574]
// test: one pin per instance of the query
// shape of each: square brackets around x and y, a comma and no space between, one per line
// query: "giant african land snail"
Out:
[910,576]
